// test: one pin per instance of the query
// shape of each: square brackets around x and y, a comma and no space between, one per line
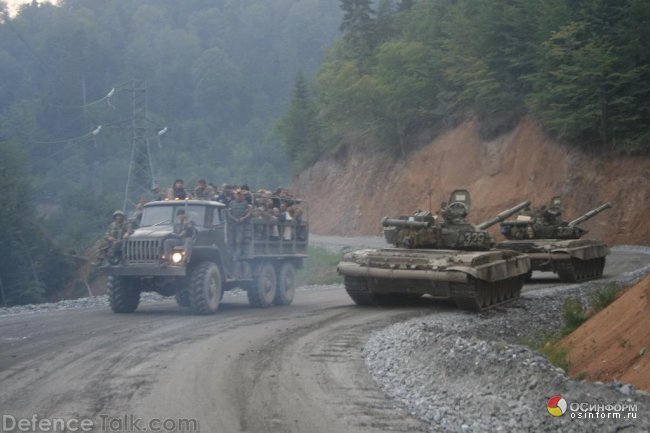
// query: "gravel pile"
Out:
[467,372]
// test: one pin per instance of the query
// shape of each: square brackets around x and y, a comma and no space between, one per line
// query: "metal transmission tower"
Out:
[140,176]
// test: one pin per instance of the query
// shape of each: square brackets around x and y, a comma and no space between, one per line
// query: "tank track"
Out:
[481,295]
[475,296]
[576,270]
[357,288]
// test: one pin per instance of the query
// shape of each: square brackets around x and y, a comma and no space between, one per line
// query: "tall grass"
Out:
[320,267]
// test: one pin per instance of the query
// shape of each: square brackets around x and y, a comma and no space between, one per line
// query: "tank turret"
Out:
[449,230]
[546,223]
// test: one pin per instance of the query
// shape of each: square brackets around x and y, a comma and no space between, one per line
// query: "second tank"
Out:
[555,245]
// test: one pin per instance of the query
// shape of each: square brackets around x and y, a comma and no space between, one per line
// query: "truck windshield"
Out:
[164,215]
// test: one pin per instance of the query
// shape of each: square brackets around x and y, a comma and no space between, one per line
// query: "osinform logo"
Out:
[556,405]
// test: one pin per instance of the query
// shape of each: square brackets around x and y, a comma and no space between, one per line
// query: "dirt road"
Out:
[283,369]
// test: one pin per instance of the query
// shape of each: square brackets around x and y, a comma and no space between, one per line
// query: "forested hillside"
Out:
[404,70]
[218,73]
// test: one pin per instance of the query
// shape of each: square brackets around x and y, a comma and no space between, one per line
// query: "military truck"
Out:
[555,245]
[265,265]
[443,256]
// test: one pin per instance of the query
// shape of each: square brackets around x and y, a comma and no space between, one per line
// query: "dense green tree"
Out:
[298,128]
[31,266]
[592,86]
[358,26]
[582,67]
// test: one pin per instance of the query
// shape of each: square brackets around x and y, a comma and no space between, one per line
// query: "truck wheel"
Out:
[205,288]
[286,288]
[122,294]
[263,292]
[183,298]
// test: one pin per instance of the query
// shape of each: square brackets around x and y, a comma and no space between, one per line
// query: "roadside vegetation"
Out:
[319,268]
[574,314]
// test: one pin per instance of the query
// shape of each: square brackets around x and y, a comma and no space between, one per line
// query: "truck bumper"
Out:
[144,271]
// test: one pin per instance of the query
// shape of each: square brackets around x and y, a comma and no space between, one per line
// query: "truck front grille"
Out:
[141,251]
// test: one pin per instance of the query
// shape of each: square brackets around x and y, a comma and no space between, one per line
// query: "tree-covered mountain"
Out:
[401,68]
[218,73]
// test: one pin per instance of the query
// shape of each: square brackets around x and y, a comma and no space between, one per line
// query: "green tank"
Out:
[443,256]
[555,245]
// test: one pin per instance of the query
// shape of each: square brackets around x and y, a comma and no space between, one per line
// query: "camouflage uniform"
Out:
[205,193]
[113,240]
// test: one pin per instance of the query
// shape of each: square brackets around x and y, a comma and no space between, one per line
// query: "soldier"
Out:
[239,211]
[182,235]
[117,232]
[203,191]
[137,214]
[157,193]
[178,192]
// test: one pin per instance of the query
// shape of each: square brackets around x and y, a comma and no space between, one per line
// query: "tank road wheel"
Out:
[123,296]
[182,298]
[357,288]
[528,277]
[205,288]
[601,266]
[493,294]
[286,285]
[262,294]
[566,271]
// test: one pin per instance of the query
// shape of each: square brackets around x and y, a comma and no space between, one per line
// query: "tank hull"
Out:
[474,280]
[573,260]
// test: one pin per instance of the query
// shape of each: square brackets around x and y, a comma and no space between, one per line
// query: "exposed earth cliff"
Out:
[348,195]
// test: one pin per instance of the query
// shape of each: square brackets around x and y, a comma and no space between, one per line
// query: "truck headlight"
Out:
[177,257]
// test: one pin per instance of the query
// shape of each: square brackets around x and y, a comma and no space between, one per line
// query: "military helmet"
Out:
[118,212]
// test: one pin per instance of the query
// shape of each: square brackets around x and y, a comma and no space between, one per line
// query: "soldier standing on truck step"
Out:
[117,232]
[239,211]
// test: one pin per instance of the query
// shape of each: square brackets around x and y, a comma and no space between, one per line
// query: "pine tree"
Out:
[298,128]
[358,27]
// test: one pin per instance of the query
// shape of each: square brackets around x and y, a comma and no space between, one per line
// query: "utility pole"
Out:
[140,176]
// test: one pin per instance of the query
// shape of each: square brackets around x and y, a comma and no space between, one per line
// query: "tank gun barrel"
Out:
[394,222]
[592,213]
[503,215]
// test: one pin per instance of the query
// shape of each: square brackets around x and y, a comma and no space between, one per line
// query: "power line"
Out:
[106,97]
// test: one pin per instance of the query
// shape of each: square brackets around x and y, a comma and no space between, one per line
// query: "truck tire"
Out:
[286,288]
[183,298]
[262,293]
[205,288]
[123,296]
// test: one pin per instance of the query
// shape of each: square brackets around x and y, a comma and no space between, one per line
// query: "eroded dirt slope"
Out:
[614,344]
[349,195]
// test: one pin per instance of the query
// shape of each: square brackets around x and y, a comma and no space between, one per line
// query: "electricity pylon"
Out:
[140,175]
